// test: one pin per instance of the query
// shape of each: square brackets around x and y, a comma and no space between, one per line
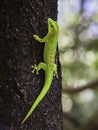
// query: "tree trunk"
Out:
[19,20]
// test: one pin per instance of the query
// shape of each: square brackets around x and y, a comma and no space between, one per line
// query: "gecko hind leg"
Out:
[40,66]
[55,71]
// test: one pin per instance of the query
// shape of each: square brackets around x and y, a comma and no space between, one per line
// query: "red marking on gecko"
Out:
[51,57]
[51,61]
[52,49]
[51,52]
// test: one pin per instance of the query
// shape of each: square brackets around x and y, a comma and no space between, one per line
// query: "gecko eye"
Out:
[51,25]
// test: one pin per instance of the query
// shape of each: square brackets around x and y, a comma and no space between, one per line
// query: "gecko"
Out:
[48,65]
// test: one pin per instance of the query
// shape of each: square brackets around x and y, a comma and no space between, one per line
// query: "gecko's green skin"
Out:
[49,61]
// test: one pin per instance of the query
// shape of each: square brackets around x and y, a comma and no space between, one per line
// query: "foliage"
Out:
[78,46]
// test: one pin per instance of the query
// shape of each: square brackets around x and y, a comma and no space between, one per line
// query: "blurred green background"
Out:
[78,47]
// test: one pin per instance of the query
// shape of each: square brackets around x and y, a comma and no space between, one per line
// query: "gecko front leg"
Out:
[37,38]
[40,66]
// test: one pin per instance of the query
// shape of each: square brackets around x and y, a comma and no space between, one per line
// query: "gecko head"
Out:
[52,26]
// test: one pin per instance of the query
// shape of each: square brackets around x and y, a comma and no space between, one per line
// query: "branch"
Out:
[91,85]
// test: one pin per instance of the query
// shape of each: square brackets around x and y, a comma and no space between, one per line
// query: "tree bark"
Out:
[19,20]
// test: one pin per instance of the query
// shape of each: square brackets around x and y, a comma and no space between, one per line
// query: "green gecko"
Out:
[48,65]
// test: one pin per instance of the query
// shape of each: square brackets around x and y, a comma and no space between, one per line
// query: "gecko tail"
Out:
[38,100]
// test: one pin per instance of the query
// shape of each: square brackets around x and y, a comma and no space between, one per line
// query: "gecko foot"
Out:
[55,75]
[36,37]
[35,68]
